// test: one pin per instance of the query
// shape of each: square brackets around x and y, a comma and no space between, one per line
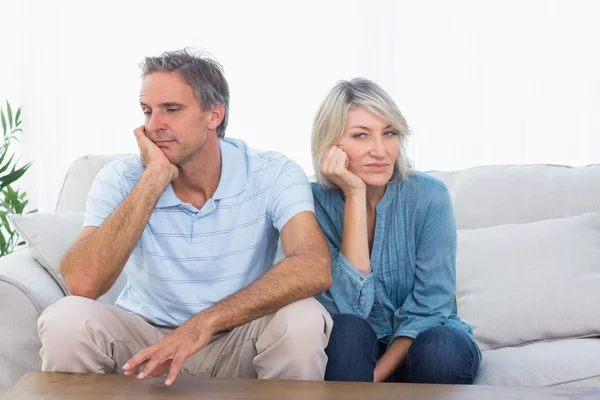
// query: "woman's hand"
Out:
[334,166]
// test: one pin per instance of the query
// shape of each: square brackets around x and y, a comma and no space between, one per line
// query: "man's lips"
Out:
[159,142]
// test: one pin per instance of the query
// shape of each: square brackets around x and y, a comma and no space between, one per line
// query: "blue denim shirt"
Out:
[413,260]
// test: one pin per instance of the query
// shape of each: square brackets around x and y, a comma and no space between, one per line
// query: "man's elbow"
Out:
[324,267]
[78,285]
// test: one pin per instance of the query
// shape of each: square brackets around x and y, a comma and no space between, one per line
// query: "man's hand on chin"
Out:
[170,352]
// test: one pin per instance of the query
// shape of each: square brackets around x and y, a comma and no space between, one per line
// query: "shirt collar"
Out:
[234,169]
[390,189]
[234,174]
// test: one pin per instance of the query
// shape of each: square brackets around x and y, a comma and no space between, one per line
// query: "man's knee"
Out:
[64,329]
[304,324]
[66,318]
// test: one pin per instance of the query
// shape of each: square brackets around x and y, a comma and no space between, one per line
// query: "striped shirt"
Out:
[188,259]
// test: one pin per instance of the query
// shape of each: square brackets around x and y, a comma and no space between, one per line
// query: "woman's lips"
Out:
[378,167]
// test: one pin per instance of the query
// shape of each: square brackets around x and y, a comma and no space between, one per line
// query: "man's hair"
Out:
[330,122]
[199,70]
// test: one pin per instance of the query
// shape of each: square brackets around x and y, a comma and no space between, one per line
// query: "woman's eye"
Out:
[390,133]
[359,135]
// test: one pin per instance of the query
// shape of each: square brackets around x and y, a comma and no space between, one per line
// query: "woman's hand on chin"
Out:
[334,166]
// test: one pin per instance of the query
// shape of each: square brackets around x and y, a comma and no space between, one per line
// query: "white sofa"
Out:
[511,271]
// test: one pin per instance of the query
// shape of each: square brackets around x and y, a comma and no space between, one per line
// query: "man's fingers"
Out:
[175,368]
[139,132]
[158,371]
[157,360]
[137,360]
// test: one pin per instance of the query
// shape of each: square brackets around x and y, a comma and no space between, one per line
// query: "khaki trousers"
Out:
[80,335]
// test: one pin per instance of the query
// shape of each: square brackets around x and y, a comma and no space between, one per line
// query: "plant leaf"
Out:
[5,223]
[5,167]
[13,175]
[3,121]
[3,248]
[9,111]
[17,122]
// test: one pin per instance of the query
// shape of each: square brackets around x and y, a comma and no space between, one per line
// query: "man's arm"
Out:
[94,263]
[304,272]
[99,254]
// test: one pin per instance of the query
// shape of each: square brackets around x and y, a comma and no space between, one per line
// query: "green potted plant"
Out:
[11,201]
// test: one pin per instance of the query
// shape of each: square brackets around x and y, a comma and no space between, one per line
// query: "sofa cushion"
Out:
[515,194]
[571,362]
[49,237]
[79,179]
[529,282]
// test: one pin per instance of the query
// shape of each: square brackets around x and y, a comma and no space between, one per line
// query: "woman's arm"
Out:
[392,358]
[352,291]
[355,241]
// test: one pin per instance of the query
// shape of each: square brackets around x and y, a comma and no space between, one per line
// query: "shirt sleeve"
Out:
[291,194]
[431,300]
[352,292]
[108,191]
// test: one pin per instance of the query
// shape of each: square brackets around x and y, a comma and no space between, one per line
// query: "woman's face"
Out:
[372,146]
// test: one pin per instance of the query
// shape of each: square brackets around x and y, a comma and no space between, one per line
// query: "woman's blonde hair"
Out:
[331,117]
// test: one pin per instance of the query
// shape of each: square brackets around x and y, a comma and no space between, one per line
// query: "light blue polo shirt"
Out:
[188,259]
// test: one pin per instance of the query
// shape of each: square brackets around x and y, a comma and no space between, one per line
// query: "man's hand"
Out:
[152,156]
[334,166]
[170,352]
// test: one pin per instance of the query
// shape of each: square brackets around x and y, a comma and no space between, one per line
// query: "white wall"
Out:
[480,81]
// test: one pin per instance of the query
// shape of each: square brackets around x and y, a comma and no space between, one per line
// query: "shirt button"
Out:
[384,320]
[376,302]
[361,279]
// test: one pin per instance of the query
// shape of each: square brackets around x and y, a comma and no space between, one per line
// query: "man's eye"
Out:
[147,112]
[172,110]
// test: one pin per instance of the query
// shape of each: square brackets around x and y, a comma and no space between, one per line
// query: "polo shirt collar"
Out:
[234,174]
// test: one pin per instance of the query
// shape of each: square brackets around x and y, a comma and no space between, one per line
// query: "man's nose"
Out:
[156,122]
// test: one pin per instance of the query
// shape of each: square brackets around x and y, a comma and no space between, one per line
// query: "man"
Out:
[198,217]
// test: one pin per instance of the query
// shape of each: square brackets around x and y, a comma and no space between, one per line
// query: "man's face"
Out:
[173,119]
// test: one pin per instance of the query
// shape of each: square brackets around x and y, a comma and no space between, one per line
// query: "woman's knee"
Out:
[352,350]
[352,330]
[442,355]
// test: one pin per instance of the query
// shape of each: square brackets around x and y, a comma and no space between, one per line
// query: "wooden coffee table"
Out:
[51,386]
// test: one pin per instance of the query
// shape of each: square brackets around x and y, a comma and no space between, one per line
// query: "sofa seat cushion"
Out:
[569,362]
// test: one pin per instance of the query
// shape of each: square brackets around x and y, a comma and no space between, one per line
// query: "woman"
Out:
[392,237]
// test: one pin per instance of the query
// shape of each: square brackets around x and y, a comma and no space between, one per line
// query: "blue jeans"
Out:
[438,355]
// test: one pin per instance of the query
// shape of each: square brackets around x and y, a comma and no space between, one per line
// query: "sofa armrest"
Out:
[26,289]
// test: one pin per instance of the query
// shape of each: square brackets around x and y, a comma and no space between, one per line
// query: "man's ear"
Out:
[217,113]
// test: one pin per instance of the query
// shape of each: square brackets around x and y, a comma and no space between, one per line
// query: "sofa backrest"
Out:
[494,195]
[79,179]
[482,196]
